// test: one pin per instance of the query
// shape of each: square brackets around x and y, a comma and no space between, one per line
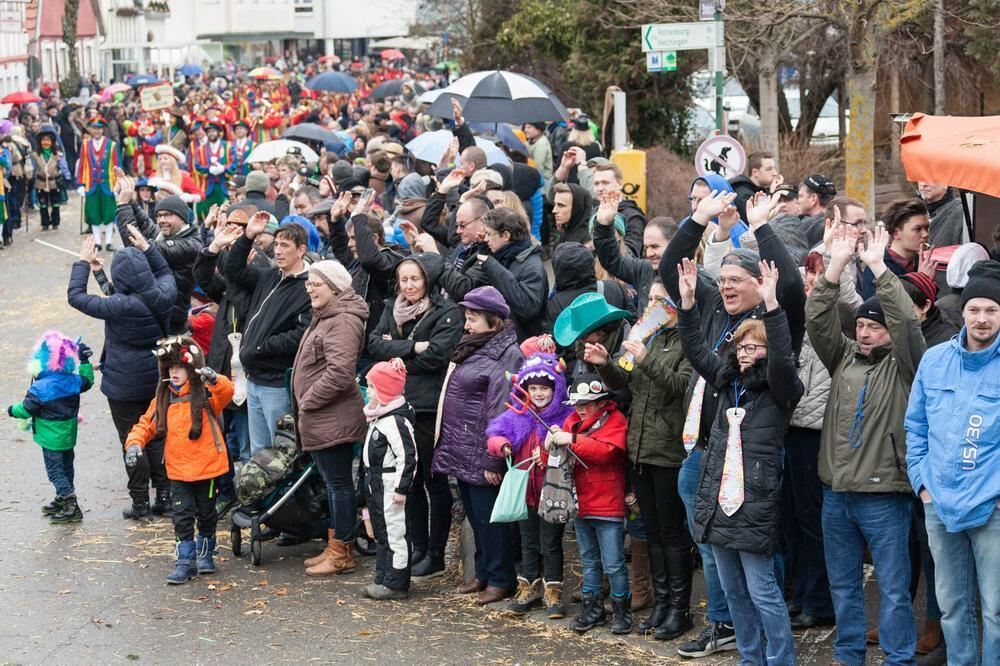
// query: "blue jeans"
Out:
[238,435]
[602,551]
[59,469]
[959,557]
[757,604]
[265,406]
[687,486]
[336,466]
[883,521]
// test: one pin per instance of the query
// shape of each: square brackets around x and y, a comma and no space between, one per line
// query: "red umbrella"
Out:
[23,97]
[330,58]
[392,54]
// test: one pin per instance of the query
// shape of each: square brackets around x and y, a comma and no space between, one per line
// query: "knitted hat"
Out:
[486,299]
[964,258]
[272,225]
[333,273]
[922,282]
[341,171]
[745,259]
[412,186]
[257,181]
[871,309]
[163,148]
[174,204]
[984,282]
[388,382]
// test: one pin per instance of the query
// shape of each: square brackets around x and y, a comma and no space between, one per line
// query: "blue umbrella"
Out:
[501,132]
[333,82]
[135,80]
[190,70]
[430,147]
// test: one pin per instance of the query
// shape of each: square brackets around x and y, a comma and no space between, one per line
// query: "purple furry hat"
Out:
[518,427]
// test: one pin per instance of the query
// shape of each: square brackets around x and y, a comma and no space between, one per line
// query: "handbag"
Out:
[512,504]
[557,503]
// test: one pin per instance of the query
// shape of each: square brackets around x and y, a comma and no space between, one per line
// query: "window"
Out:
[303,6]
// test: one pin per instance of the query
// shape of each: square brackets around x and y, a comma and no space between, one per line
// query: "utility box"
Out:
[633,165]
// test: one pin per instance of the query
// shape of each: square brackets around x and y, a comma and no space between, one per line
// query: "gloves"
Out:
[85,352]
[132,455]
[10,411]
[207,375]
[216,170]
[82,191]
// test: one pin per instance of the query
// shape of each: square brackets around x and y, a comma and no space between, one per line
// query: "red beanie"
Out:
[924,283]
[388,382]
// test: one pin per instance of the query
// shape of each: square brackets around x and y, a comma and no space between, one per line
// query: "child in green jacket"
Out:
[61,371]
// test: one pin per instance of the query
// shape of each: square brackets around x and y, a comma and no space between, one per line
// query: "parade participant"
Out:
[51,174]
[95,173]
[185,414]
[147,139]
[176,129]
[390,460]
[60,372]
[210,162]
[168,169]
[242,146]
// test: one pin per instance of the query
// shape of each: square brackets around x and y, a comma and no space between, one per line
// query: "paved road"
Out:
[94,593]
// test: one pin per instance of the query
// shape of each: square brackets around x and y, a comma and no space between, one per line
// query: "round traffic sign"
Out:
[722,155]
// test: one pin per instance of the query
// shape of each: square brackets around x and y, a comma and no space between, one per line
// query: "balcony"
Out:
[157,10]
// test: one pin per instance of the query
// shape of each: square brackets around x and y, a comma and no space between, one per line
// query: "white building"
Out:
[343,27]
[13,48]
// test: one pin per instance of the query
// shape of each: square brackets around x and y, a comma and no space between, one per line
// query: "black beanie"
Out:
[174,204]
[984,282]
[870,309]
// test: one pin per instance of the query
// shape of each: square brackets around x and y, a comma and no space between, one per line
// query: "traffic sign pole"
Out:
[720,51]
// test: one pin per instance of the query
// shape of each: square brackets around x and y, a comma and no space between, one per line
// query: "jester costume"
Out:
[99,156]
[241,149]
[210,161]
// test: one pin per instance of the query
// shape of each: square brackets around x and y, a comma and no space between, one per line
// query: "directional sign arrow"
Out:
[646,37]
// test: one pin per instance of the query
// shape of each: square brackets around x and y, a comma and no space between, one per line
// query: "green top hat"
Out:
[587,312]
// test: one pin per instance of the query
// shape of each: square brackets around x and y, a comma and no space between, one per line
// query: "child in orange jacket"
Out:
[185,411]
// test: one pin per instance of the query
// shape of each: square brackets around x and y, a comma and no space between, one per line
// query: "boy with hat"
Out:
[390,459]
[99,156]
[596,433]
[953,442]
[185,412]
[211,160]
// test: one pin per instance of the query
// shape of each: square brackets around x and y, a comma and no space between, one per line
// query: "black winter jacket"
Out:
[772,390]
[635,225]
[278,316]
[180,251]
[441,326]
[573,267]
[128,367]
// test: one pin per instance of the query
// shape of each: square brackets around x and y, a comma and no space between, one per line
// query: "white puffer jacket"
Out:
[809,413]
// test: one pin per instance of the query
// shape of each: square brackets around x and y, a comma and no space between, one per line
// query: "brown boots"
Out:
[932,637]
[336,559]
[639,583]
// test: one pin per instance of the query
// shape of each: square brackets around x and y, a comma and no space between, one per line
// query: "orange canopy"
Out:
[962,152]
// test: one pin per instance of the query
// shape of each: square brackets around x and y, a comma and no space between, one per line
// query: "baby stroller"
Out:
[280,490]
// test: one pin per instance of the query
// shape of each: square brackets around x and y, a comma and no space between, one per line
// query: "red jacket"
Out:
[600,443]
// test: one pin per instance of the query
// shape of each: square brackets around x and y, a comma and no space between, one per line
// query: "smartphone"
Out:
[366,196]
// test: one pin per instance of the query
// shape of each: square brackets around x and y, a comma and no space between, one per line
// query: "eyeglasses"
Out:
[314,285]
[860,224]
[748,349]
[731,281]
[463,225]
[164,214]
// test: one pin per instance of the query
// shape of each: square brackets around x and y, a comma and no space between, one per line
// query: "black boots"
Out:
[661,588]
[431,566]
[161,507]
[138,511]
[70,512]
[621,614]
[53,507]
[591,614]
[678,619]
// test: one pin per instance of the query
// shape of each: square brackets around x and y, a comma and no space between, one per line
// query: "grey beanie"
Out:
[174,204]
[745,259]
[257,181]
[341,171]
[412,187]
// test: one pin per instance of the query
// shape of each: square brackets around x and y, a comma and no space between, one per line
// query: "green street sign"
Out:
[669,62]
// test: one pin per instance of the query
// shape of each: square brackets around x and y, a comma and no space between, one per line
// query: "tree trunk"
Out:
[894,127]
[69,87]
[940,104]
[860,146]
[768,81]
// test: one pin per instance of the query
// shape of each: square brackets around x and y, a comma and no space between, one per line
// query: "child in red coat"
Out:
[596,434]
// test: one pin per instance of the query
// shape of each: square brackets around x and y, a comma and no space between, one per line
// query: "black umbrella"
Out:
[316,133]
[499,96]
[393,88]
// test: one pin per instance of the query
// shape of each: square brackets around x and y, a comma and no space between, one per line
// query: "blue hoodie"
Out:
[720,184]
[315,242]
[953,432]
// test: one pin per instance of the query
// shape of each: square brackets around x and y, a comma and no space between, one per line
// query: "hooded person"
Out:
[573,268]
[135,317]
[542,383]
[957,276]
[716,183]
[571,207]
[315,242]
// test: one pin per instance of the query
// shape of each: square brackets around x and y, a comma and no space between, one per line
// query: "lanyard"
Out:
[738,392]
[728,332]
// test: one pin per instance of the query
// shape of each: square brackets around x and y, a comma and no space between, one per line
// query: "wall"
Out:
[13,49]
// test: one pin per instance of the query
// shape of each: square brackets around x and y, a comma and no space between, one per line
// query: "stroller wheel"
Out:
[255,552]
[236,540]
[363,544]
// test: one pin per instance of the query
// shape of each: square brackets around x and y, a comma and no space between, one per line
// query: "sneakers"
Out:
[70,513]
[527,597]
[716,636]
[431,566]
[53,507]
[380,592]
[552,597]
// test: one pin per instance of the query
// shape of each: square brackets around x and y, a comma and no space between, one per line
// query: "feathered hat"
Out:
[179,350]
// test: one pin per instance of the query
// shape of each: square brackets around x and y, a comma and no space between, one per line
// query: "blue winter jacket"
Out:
[720,184]
[128,367]
[953,432]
